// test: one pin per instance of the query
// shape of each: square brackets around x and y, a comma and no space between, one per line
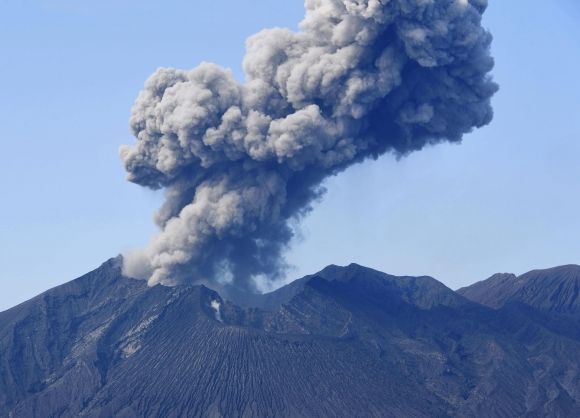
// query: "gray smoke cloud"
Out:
[240,162]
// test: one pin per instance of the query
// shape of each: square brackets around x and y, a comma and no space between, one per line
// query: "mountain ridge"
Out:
[555,290]
[345,341]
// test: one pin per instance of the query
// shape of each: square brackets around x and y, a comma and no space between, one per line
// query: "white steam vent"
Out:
[216,306]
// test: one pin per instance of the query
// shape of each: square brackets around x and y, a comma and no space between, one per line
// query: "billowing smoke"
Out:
[241,162]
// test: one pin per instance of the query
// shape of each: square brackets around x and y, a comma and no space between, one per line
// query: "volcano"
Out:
[347,341]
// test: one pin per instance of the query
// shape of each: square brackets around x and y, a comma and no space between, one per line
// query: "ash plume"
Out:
[240,162]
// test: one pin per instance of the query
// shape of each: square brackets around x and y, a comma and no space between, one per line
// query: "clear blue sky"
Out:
[508,199]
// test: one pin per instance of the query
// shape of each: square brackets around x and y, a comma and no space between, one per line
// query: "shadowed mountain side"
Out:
[425,292]
[344,342]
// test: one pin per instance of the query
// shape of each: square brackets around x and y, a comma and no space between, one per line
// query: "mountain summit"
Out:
[553,290]
[347,341]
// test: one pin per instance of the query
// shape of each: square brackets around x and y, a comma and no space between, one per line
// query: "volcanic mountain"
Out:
[347,341]
[553,290]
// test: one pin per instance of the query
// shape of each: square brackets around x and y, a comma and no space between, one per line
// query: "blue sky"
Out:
[507,199]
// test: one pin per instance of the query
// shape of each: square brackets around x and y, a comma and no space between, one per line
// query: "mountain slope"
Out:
[552,290]
[347,341]
[423,291]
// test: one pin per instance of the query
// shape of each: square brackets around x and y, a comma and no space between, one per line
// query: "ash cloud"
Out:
[240,162]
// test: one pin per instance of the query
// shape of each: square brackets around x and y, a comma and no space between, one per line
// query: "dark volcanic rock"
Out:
[344,342]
